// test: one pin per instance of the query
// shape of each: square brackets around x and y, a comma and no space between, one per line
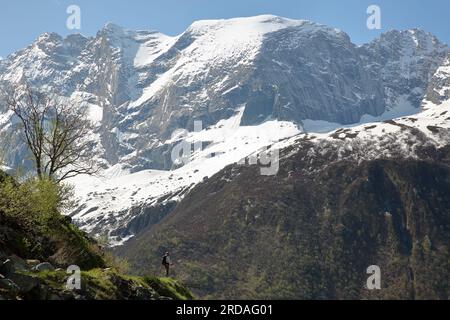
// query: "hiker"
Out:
[166,262]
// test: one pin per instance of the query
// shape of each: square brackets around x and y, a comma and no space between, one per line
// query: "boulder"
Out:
[7,267]
[10,287]
[12,265]
[44,266]
[19,262]
[25,282]
[32,263]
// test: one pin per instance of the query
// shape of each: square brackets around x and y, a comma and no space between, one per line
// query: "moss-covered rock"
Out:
[170,288]
[106,284]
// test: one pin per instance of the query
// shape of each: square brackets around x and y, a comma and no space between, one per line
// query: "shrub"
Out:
[33,203]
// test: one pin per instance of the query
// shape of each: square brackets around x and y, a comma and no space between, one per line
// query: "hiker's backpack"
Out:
[164,260]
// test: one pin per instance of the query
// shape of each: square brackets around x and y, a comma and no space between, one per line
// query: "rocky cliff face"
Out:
[439,88]
[405,62]
[141,86]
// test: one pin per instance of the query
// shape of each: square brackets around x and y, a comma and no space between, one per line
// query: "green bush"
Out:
[31,214]
[33,203]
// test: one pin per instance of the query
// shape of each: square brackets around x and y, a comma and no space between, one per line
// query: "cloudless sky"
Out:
[22,21]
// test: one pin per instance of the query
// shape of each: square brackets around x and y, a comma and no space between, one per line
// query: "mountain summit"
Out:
[280,75]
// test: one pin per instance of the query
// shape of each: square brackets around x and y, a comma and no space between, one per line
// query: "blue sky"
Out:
[22,21]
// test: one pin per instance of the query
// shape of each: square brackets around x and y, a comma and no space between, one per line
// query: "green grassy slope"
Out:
[27,234]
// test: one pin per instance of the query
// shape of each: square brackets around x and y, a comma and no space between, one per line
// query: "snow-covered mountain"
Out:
[251,81]
[125,203]
[141,86]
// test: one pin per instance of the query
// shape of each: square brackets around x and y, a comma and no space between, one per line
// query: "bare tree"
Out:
[54,131]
